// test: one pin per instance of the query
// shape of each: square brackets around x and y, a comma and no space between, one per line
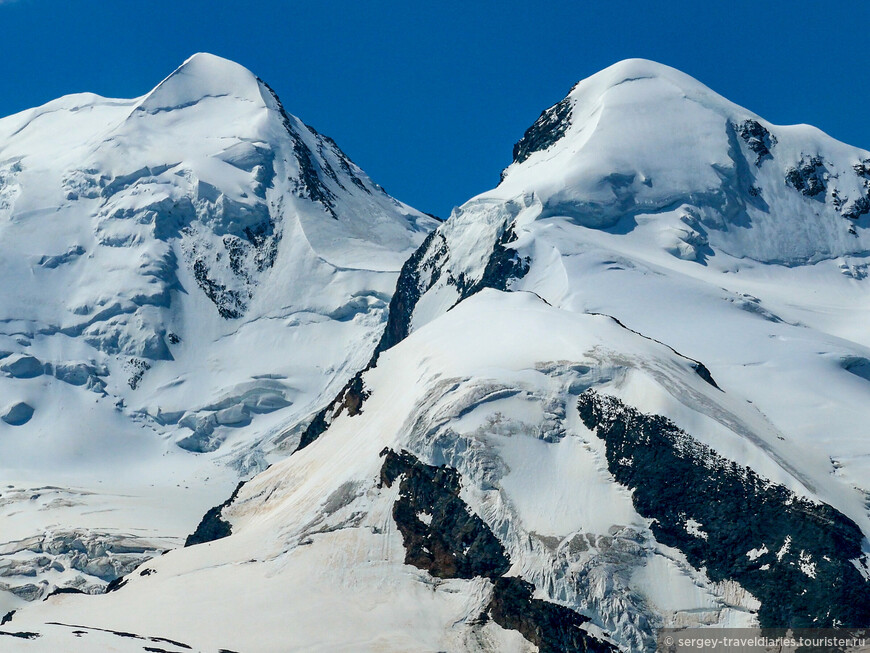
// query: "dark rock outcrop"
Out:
[310,184]
[230,303]
[65,590]
[440,533]
[551,627]
[504,266]
[213,526]
[116,584]
[702,371]
[757,138]
[20,635]
[427,258]
[550,126]
[79,629]
[442,536]
[798,558]
[859,207]
[808,176]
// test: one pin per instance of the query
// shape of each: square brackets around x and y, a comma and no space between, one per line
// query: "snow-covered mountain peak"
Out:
[624,390]
[634,93]
[598,86]
[190,270]
[642,139]
[203,75]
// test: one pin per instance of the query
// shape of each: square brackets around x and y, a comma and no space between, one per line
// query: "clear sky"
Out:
[429,97]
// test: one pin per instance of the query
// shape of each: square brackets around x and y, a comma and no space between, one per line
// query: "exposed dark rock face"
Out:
[550,126]
[808,176]
[757,138]
[424,269]
[66,590]
[504,265]
[228,272]
[426,259]
[264,239]
[21,635]
[350,398]
[7,618]
[551,627]
[310,185]
[230,303]
[116,584]
[702,371]
[137,368]
[213,526]
[795,556]
[860,207]
[319,424]
[440,533]
[348,167]
[79,629]
[442,536]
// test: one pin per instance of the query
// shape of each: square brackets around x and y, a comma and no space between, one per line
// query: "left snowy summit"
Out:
[175,266]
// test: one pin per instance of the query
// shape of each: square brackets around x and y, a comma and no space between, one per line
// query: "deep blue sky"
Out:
[429,97]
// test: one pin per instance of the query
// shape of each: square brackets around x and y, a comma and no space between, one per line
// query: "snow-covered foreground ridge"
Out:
[626,389]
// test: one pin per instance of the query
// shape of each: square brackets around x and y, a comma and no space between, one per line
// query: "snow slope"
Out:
[186,274]
[652,207]
[319,533]
[623,390]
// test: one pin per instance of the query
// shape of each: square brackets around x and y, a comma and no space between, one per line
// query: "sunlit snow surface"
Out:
[653,208]
[151,396]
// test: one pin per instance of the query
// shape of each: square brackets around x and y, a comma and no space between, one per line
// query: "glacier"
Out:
[624,390]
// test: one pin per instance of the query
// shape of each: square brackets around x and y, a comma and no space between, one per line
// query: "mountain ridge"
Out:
[544,433]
